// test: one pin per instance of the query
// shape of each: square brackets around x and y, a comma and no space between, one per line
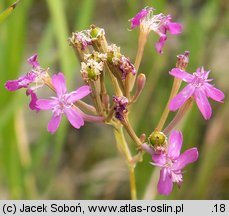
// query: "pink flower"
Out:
[171,162]
[166,25]
[63,104]
[158,23]
[35,75]
[199,88]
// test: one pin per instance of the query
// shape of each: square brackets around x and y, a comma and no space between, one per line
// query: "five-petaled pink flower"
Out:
[198,87]
[158,23]
[63,104]
[171,162]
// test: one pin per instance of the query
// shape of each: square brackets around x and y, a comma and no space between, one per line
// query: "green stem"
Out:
[114,82]
[125,151]
[180,114]
[131,132]
[142,39]
[132,183]
[175,89]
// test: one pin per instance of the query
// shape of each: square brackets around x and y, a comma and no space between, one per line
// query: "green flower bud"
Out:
[157,138]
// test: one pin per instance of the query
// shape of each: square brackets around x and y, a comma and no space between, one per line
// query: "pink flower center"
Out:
[199,79]
[61,104]
[174,174]
[169,162]
[152,22]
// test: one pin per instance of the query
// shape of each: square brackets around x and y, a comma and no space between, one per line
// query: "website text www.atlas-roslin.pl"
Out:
[137,208]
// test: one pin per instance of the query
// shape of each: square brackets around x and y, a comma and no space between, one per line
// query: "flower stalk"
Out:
[178,117]
[175,89]
[124,150]
[95,94]
[131,131]
[182,63]
[142,39]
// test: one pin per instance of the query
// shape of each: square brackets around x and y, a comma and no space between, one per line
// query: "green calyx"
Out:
[113,54]
[91,74]
[94,33]
[157,138]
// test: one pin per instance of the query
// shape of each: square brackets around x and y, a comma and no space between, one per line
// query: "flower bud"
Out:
[142,137]
[182,60]
[141,80]
[120,108]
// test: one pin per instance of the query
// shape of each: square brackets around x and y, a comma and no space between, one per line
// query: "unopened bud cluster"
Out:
[99,60]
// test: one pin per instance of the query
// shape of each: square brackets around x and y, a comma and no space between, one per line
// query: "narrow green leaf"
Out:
[8,11]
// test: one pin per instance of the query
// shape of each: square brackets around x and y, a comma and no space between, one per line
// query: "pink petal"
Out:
[165,184]
[181,97]
[33,61]
[175,144]
[174,28]
[13,85]
[202,103]
[54,123]
[45,104]
[176,72]
[214,93]
[159,159]
[21,82]
[59,83]
[79,93]
[187,157]
[74,117]
[33,102]
[159,45]
[135,21]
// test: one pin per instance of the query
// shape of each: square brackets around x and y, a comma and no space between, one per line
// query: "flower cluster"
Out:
[81,38]
[93,65]
[126,67]
[123,63]
[108,73]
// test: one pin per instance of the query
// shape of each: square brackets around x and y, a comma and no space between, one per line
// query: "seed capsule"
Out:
[95,31]
[157,138]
